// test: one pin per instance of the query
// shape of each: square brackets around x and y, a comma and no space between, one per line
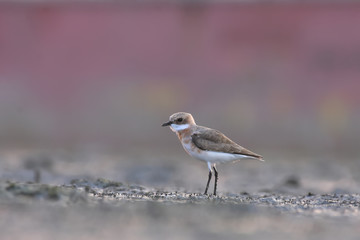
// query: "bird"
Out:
[206,144]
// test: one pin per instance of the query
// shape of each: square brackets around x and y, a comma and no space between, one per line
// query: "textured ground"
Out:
[106,209]
[153,200]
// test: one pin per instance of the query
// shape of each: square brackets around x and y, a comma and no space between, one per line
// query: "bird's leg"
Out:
[207,185]
[216,179]
[210,174]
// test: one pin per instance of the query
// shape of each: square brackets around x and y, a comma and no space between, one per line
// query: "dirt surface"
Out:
[94,196]
[102,190]
[106,209]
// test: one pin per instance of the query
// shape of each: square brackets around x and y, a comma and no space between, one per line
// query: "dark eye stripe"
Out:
[180,119]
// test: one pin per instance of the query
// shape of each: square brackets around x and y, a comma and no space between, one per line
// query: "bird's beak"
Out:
[166,124]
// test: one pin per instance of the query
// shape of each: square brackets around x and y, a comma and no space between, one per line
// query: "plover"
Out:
[207,144]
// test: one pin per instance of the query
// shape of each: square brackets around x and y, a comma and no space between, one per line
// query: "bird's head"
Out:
[180,121]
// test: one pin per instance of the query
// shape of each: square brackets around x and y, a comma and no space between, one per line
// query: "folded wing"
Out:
[213,140]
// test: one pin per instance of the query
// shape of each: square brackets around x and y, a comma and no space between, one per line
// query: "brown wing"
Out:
[212,140]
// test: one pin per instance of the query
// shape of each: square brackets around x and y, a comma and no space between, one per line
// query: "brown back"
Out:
[212,140]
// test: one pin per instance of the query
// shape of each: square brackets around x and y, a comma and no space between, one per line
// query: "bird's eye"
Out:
[180,119]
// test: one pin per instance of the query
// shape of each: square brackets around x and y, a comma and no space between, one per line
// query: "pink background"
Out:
[272,76]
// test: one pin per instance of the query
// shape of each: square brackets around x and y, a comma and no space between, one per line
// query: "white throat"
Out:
[176,127]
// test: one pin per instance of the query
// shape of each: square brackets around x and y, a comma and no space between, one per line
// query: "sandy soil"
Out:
[111,196]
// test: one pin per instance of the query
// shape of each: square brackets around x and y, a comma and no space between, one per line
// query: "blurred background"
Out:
[85,87]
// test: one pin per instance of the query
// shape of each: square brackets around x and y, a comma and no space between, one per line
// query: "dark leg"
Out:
[207,185]
[216,179]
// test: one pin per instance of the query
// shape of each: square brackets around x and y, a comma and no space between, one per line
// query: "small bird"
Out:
[207,144]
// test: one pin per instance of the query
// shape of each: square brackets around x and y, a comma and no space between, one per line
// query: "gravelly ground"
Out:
[276,200]
[105,209]
[95,193]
